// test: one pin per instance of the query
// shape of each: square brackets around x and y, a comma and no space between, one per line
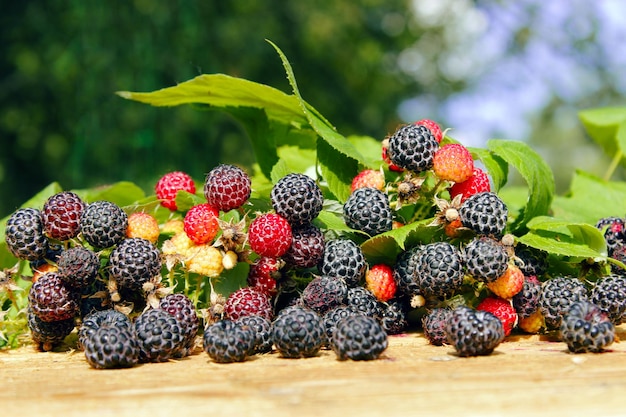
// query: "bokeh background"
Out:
[487,69]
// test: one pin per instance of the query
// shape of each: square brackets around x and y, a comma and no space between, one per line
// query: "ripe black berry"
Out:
[486,259]
[307,247]
[134,262]
[484,213]
[557,295]
[297,198]
[110,347]
[368,210]
[412,147]
[103,224]
[360,338]
[585,328]
[25,236]
[159,335]
[298,332]
[228,341]
[473,332]
[343,259]
[439,269]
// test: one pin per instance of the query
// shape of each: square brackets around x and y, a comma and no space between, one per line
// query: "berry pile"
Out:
[218,270]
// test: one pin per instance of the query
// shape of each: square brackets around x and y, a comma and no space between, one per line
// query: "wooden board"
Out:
[526,375]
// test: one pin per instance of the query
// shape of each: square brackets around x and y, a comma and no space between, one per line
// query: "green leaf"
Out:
[590,199]
[346,157]
[331,221]
[337,170]
[563,238]
[370,148]
[497,167]
[123,193]
[385,247]
[602,125]
[536,173]
[185,200]
[223,91]
[279,171]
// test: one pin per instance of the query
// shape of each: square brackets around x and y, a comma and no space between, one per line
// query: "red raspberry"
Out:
[453,162]
[379,280]
[200,223]
[478,182]
[509,284]
[433,127]
[169,184]
[227,187]
[270,235]
[502,309]
[264,273]
[248,301]
[368,178]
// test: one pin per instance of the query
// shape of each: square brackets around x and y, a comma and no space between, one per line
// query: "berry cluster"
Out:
[141,286]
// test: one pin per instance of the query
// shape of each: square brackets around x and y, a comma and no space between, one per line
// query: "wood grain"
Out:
[526,375]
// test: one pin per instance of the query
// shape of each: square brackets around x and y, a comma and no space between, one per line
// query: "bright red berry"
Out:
[433,127]
[269,235]
[368,178]
[379,280]
[453,162]
[169,184]
[502,309]
[263,274]
[201,223]
[478,182]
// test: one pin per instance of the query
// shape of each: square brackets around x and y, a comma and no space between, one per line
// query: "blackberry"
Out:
[526,302]
[228,341]
[609,294]
[614,229]
[343,259]
[531,261]
[619,253]
[412,147]
[334,316]
[324,293]
[51,299]
[160,336]
[48,334]
[486,259]
[110,347]
[248,301]
[404,272]
[227,187]
[25,236]
[61,215]
[439,269]
[557,295]
[181,307]
[298,332]
[297,198]
[368,210]
[53,251]
[307,247]
[434,325]
[484,213]
[134,262]
[103,224]
[78,267]
[262,328]
[359,338]
[97,319]
[473,332]
[393,317]
[363,301]
[585,328]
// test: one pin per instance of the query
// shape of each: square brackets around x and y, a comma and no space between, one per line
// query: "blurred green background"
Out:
[366,65]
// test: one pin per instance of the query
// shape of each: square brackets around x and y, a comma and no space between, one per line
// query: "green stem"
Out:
[614,163]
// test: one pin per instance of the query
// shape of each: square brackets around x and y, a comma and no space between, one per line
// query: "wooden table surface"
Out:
[526,375]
